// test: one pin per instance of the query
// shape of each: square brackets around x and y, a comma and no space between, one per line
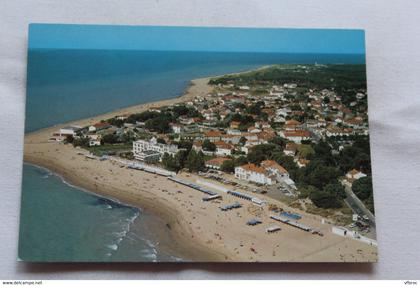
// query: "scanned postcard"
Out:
[146,143]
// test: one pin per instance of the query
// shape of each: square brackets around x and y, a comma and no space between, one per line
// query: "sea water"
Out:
[60,222]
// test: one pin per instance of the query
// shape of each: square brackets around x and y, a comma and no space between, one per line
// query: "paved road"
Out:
[357,206]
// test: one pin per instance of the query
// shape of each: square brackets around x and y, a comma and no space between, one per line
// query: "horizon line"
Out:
[203,51]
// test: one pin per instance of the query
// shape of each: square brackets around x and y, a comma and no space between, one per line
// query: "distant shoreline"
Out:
[166,217]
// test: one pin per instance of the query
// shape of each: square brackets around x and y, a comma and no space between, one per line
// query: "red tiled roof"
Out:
[217,161]
[291,146]
[353,172]
[265,135]
[101,125]
[292,123]
[197,143]
[212,134]
[224,145]
[273,164]
[303,161]
[300,133]
[253,168]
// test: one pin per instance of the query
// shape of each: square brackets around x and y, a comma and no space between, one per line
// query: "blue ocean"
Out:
[60,222]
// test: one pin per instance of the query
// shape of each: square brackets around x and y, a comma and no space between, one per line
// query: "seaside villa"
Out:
[142,149]
[269,173]
[253,173]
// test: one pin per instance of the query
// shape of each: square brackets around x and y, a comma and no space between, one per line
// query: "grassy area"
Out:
[105,149]
[341,216]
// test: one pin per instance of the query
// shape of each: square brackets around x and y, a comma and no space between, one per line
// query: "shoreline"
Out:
[170,238]
[196,87]
[166,216]
[159,230]
[194,229]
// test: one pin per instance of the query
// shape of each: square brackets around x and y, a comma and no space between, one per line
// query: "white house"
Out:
[270,172]
[233,132]
[273,168]
[213,135]
[283,112]
[99,126]
[290,149]
[279,119]
[296,136]
[69,130]
[292,125]
[223,148]
[253,130]
[290,85]
[176,128]
[253,173]
[233,139]
[354,175]
[360,96]
[262,125]
[94,140]
[216,163]
[336,131]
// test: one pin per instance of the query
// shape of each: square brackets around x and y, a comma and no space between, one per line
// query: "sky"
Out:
[217,39]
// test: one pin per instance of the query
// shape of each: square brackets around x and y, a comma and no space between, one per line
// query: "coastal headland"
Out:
[198,231]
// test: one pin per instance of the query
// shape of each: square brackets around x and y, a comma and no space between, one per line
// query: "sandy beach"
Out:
[197,230]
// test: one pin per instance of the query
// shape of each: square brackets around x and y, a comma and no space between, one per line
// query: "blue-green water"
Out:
[62,223]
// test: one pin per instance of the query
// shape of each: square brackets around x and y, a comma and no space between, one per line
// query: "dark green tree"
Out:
[324,199]
[82,142]
[241,160]
[69,139]
[195,161]
[336,189]
[228,166]
[261,152]
[285,161]
[208,146]
[161,140]
[321,175]
[363,188]
[109,139]
[281,142]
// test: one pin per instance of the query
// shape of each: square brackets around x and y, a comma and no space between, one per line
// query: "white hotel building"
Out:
[269,173]
[141,146]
